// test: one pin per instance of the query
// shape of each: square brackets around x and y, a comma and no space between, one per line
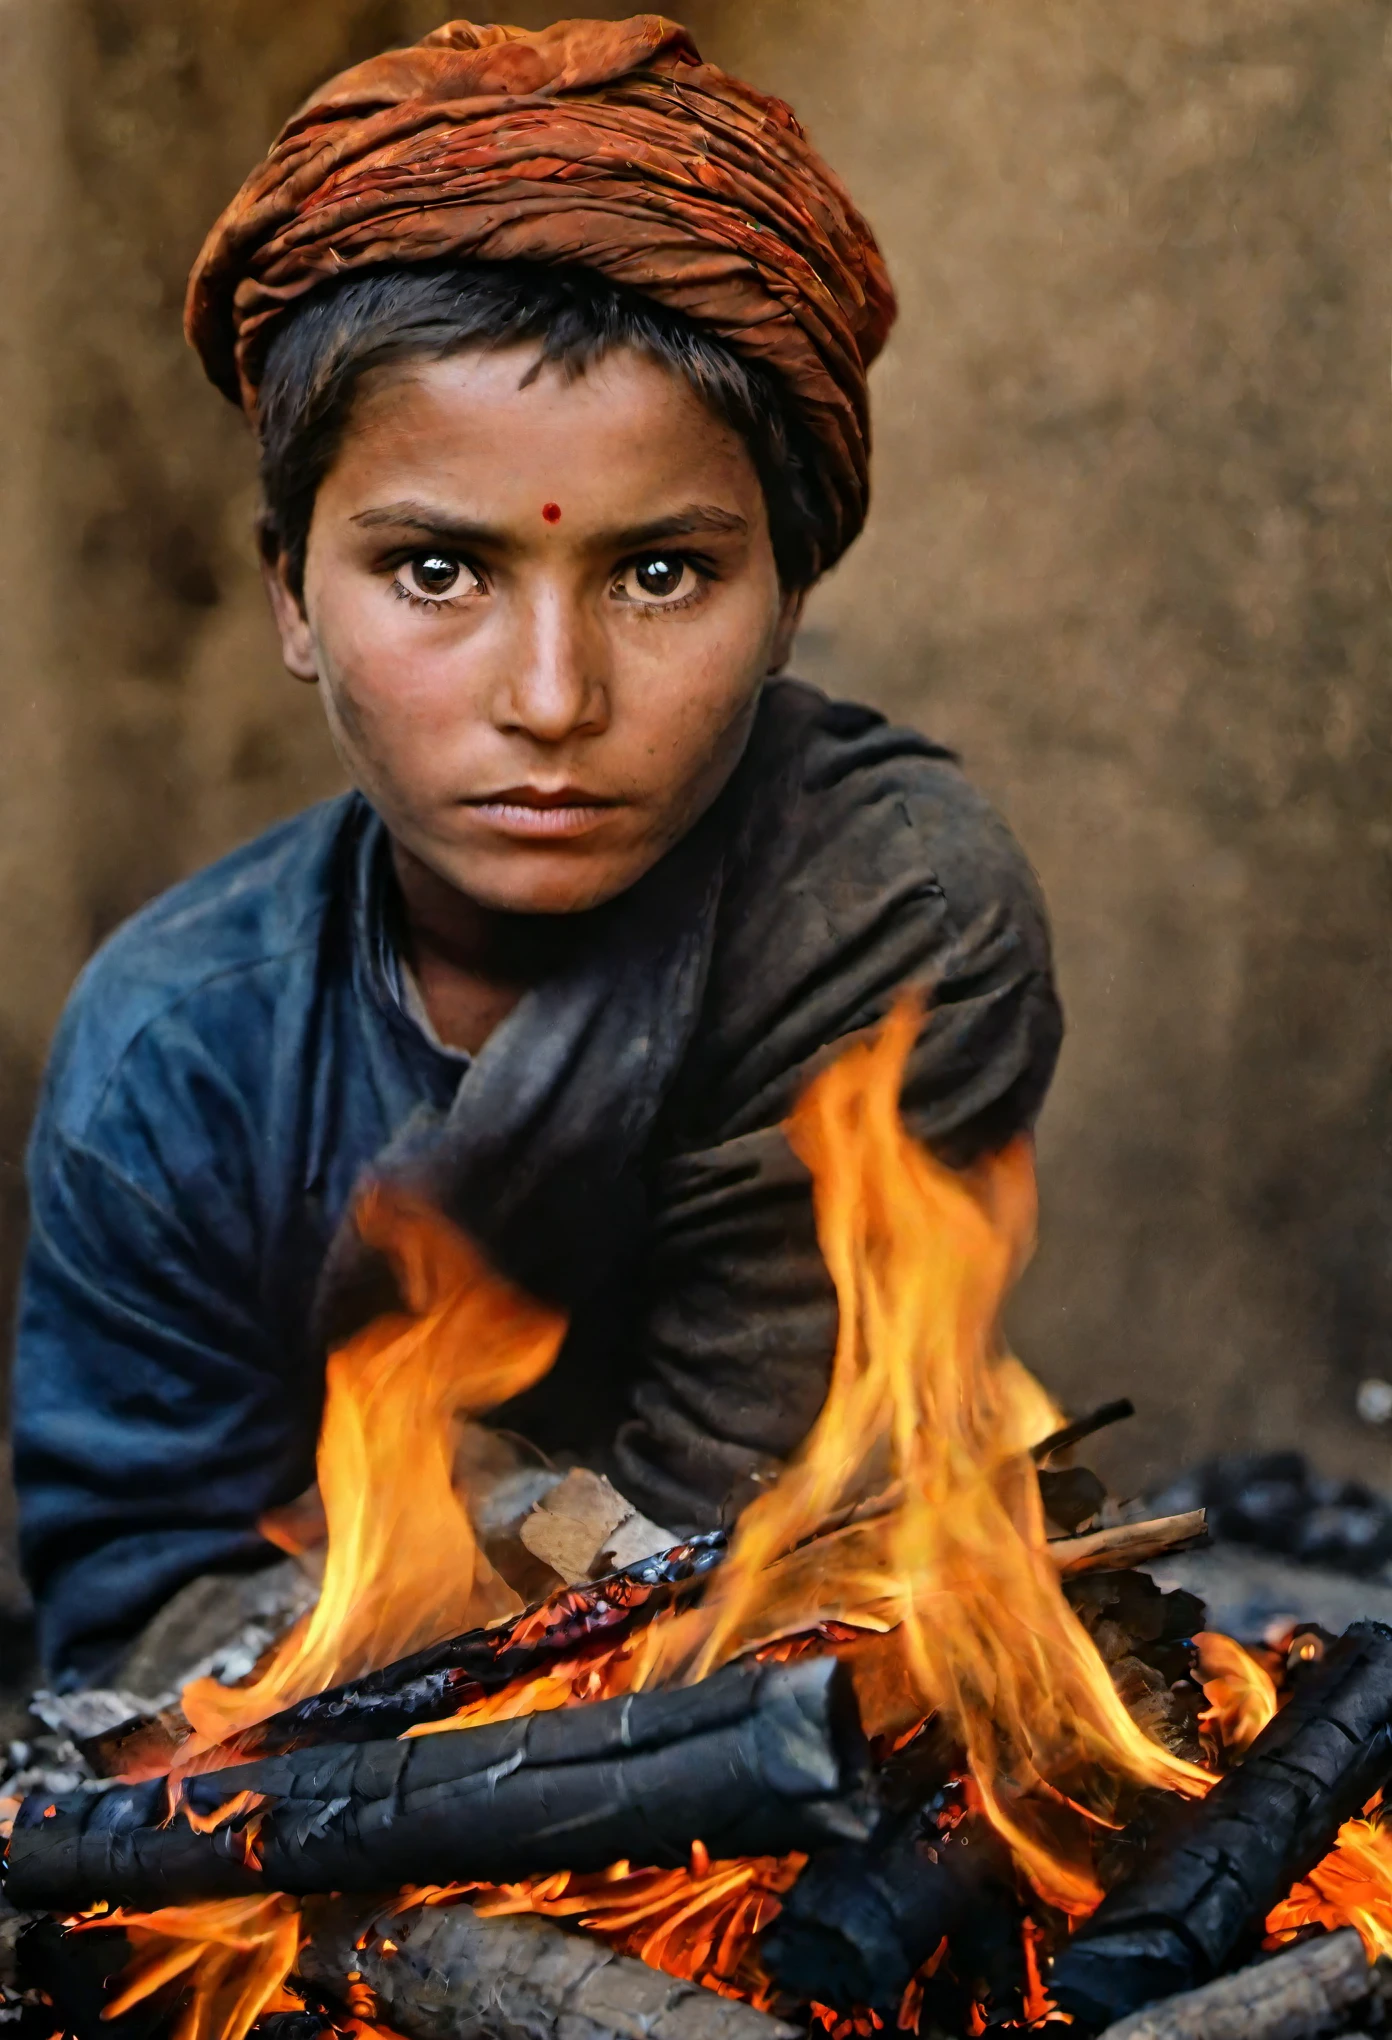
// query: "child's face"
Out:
[539,618]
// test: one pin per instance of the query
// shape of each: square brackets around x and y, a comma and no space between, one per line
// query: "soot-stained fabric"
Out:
[606,145]
[240,1056]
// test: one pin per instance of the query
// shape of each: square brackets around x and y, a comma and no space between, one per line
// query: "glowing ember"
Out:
[1352,1887]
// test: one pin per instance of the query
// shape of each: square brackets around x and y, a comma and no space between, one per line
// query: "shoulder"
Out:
[204,956]
[843,811]
[861,862]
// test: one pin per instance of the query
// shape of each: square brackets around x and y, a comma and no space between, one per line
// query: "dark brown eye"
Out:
[659,576]
[434,574]
[661,580]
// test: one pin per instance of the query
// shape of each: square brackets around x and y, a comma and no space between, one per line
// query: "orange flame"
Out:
[700,1922]
[1352,1887]
[924,1403]
[1241,1693]
[404,1568]
[235,1953]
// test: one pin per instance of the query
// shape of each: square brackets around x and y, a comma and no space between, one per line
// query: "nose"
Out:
[557,681]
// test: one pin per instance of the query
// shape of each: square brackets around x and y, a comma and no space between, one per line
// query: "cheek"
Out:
[691,690]
[387,687]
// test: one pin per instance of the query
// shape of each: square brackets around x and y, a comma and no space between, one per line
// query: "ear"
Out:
[296,637]
[789,617]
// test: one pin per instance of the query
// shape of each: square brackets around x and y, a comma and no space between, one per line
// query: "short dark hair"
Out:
[375,317]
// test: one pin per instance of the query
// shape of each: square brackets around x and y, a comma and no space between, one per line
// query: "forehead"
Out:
[491,423]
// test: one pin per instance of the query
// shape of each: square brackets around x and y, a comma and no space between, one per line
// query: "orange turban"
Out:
[605,144]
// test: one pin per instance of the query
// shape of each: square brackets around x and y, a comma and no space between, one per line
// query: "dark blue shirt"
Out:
[226,1068]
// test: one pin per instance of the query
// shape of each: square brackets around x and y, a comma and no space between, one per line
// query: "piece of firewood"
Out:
[861,1921]
[436,1682]
[1127,1544]
[1307,1992]
[1197,1901]
[442,1973]
[1105,1414]
[755,1761]
[1123,1544]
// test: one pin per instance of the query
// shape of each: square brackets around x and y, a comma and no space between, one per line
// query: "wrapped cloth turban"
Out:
[608,145]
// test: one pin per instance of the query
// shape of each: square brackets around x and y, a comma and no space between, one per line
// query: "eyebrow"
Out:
[687,522]
[696,517]
[431,523]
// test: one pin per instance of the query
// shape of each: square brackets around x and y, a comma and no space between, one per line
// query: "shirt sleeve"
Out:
[903,877]
[150,1416]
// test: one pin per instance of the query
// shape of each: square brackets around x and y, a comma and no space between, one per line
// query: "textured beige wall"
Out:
[1127,552]
[38,938]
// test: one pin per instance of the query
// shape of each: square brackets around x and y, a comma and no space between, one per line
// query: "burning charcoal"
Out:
[754,1761]
[442,1973]
[1203,1891]
[862,1920]
[1132,1600]
[1143,1637]
[1311,1990]
[436,1682]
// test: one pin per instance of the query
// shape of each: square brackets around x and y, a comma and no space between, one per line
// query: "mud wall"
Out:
[1127,552]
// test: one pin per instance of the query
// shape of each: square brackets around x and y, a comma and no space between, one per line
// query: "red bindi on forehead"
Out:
[551,512]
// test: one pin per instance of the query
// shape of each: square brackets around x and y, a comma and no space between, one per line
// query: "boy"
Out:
[556,348]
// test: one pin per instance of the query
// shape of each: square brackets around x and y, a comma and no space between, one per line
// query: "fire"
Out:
[1352,1887]
[403,1567]
[907,1534]
[924,1404]
[1240,1692]
[700,1922]
[236,1952]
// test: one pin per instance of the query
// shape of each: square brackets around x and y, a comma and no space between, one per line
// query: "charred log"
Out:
[1310,1991]
[442,1973]
[1201,1894]
[862,1920]
[756,1761]
[436,1682]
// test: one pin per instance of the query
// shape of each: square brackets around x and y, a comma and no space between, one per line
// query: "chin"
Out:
[540,885]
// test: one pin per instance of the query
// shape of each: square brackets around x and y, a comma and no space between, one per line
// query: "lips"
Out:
[537,813]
